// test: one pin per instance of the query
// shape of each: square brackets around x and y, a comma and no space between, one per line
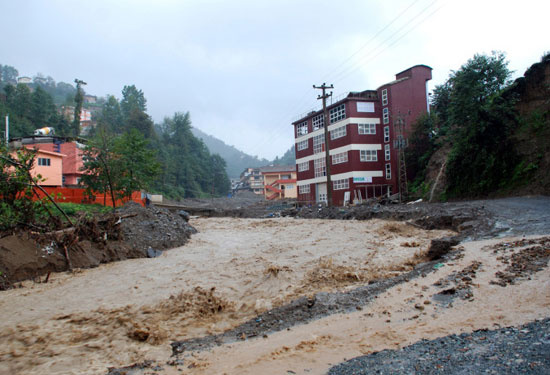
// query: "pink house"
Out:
[49,165]
[70,151]
[72,161]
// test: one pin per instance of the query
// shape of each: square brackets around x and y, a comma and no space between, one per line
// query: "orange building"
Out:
[70,149]
[49,165]
[279,181]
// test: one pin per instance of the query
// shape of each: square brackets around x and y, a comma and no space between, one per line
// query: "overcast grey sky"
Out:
[244,69]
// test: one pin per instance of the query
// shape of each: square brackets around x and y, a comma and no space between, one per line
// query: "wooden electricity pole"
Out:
[324,97]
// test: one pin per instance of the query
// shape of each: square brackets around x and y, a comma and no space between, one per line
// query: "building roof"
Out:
[415,66]
[394,82]
[39,151]
[278,168]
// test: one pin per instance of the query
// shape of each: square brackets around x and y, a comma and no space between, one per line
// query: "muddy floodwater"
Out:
[234,269]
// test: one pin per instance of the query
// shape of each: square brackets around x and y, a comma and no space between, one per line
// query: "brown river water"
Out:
[127,312]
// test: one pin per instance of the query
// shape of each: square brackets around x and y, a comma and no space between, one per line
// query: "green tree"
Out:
[17,106]
[8,74]
[422,145]
[482,120]
[111,116]
[141,122]
[288,158]
[132,99]
[42,110]
[221,182]
[79,100]
[99,165]
[187,167]
[118,165]
[137,163]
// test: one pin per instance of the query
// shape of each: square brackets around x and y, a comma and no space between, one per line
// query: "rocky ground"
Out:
[509,350]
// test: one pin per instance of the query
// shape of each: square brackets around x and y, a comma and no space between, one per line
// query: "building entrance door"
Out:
[321,193]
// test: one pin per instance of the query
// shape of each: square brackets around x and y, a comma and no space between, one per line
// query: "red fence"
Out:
[78,195]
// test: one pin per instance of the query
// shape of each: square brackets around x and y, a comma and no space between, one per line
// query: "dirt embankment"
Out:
[134,232]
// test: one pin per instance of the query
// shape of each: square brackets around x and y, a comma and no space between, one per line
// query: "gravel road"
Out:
[510,350]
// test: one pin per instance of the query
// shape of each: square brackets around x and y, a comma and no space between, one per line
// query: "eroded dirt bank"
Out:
[132,232]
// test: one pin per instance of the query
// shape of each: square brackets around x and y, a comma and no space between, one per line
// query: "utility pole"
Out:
[7,134]
[400,143]
[324,97]
[79,98]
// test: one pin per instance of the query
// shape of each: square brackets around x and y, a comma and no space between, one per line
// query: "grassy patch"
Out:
[73,209]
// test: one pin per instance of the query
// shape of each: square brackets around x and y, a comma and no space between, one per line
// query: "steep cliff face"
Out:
[532,137]
[531,140]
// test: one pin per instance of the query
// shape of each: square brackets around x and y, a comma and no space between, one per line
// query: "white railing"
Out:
[333,99]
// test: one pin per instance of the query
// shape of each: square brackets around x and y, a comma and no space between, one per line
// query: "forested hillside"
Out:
[236,160]
[186,167]
[486,135]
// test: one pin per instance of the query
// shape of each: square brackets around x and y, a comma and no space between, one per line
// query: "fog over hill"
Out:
[237,160]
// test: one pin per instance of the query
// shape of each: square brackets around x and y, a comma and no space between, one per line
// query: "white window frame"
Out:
[386,134]
[385,97]
[368,155]
[387,152]
[301,129]
[304,189]
[366,129]
[318,143]
[287,187]
[365,107]
[44,162]
[320,167]
[388,171]
[337,113]
[340,184]
[302,145]
[386,115]
[303,166]
[318,121]
[340,158]
[338,132]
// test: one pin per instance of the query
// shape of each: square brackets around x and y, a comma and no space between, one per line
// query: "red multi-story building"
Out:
[363,140]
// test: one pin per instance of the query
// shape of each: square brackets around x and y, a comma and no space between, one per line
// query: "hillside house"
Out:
[251,179]
[279,181]
[68,149]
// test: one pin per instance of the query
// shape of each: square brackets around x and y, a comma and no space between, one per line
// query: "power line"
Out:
[372,38]
[276,130]
[341,75]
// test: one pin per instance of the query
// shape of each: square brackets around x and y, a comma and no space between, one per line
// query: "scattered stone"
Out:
[502,351]
[151,253]
[532,257]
